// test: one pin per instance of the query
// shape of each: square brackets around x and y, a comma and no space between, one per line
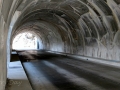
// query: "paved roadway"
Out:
[62,73]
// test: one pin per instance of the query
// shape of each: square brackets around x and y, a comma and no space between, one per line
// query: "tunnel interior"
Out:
[89,28]
[81,27]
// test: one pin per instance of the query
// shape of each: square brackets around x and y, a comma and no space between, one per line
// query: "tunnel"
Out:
[75,28]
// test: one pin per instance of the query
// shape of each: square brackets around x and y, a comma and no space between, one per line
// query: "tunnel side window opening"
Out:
[25,41]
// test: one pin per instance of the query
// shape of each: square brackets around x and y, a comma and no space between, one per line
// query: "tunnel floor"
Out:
[53,72]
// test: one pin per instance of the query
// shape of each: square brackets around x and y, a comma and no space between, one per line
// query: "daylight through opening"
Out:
[25,41]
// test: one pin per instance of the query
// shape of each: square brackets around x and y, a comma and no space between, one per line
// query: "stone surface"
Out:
[17,79]
[81,27]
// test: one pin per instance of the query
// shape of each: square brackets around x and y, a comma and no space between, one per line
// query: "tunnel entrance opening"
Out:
[25,41]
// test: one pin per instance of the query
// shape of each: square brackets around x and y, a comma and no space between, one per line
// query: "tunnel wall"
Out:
[82,27]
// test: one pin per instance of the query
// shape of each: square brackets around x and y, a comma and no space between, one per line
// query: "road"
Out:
[63,73]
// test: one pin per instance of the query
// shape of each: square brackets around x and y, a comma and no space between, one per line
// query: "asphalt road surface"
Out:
[63,73]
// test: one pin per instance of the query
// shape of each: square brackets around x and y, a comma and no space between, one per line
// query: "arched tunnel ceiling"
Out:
[83,27]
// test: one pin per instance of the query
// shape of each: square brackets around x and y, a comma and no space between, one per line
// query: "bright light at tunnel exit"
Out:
[24,41]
